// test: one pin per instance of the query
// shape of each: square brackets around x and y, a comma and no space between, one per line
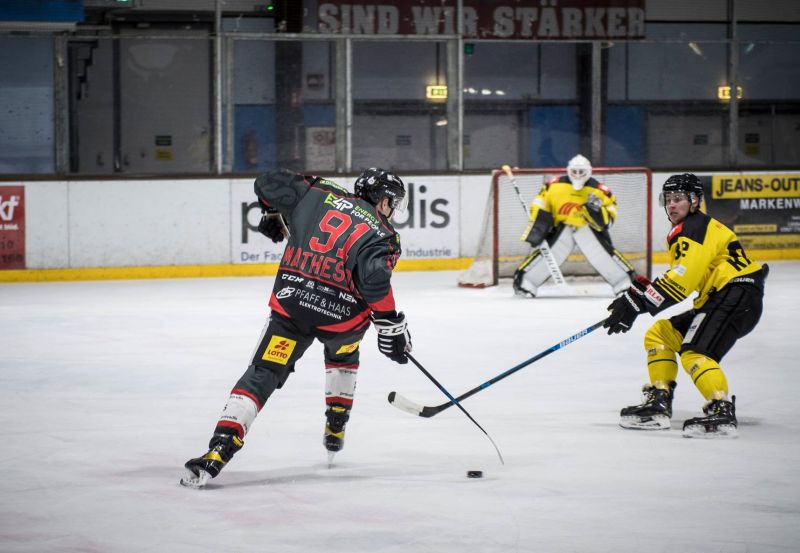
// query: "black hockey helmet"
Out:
[375,184]
[686,182]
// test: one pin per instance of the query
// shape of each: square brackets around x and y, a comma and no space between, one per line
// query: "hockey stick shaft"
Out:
[544,247]
[454,401]
[429,411]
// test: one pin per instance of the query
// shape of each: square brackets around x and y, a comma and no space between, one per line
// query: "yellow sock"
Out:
[706,375]
[661,342]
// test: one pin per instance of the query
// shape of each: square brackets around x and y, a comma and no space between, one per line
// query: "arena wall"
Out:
[96,229]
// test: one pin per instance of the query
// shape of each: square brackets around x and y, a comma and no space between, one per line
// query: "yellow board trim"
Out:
[271,269]
[200,271]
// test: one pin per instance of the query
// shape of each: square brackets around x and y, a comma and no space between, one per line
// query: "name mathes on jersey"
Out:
[316,265]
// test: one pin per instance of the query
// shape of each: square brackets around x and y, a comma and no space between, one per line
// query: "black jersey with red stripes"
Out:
[338,262]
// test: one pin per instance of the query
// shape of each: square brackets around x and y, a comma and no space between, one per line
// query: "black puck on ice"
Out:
[474,474]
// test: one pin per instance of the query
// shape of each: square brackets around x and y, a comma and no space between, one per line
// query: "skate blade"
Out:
[331,455]
[722,431]
[657,422]
[196,481]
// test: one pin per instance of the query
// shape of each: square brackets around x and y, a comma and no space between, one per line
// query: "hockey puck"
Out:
[474,474]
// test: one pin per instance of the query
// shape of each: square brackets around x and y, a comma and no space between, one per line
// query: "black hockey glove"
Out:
[595,214]
[394,340]
[629,305]
[272,225]
[536,236]
[540,228]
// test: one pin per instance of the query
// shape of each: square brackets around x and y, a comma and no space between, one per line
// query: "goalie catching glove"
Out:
[273,225]
[595,214]
[629,305]
[394,340]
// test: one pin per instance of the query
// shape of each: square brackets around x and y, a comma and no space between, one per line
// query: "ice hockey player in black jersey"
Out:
[704,257]
[334,278]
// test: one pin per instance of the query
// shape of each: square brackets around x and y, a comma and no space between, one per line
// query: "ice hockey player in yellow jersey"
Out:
[705,257]
[574,209]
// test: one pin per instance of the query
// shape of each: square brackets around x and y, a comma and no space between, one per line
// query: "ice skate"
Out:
[719,422]
[336,418]
[653,413]
[201,469]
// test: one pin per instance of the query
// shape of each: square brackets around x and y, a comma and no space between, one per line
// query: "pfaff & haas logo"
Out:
[7,207]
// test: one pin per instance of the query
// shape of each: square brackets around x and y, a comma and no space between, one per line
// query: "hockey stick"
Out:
[428,411]
[453,401]
[544,247]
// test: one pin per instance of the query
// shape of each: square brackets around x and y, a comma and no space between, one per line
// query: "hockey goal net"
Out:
[501,248]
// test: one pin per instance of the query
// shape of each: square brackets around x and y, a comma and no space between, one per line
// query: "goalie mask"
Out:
[375,184]
[579,170]
[688,184]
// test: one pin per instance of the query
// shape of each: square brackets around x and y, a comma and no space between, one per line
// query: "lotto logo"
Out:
[279,350]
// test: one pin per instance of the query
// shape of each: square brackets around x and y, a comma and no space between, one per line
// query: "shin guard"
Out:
[662,342]
[706,374]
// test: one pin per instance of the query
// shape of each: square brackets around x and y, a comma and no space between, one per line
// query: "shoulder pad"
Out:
[331,184]
[562,178]
[594,183]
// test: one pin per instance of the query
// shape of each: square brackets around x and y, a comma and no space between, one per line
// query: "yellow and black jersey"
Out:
[559,199]
[704,255]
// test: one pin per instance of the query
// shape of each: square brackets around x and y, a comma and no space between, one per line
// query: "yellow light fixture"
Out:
[724,92]
[436,92]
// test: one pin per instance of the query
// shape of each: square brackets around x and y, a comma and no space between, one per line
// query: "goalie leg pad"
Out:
[534,270]
[614,268]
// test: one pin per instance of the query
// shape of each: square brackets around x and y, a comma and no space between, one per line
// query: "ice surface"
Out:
[107,388]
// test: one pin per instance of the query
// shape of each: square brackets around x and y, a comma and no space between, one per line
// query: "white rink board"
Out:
[129,223]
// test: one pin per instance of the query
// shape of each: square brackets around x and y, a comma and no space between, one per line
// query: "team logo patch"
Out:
[348,348]
[339,203]
[279,350]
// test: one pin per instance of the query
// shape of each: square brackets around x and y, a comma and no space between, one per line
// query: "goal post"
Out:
[501,249]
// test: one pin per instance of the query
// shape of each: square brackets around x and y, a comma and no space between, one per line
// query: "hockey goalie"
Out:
[572,210]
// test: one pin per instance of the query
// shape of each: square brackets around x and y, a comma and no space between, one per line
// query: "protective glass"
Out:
[672,198]
[399,203]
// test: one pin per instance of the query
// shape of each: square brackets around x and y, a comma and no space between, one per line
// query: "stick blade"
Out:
[405,404]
